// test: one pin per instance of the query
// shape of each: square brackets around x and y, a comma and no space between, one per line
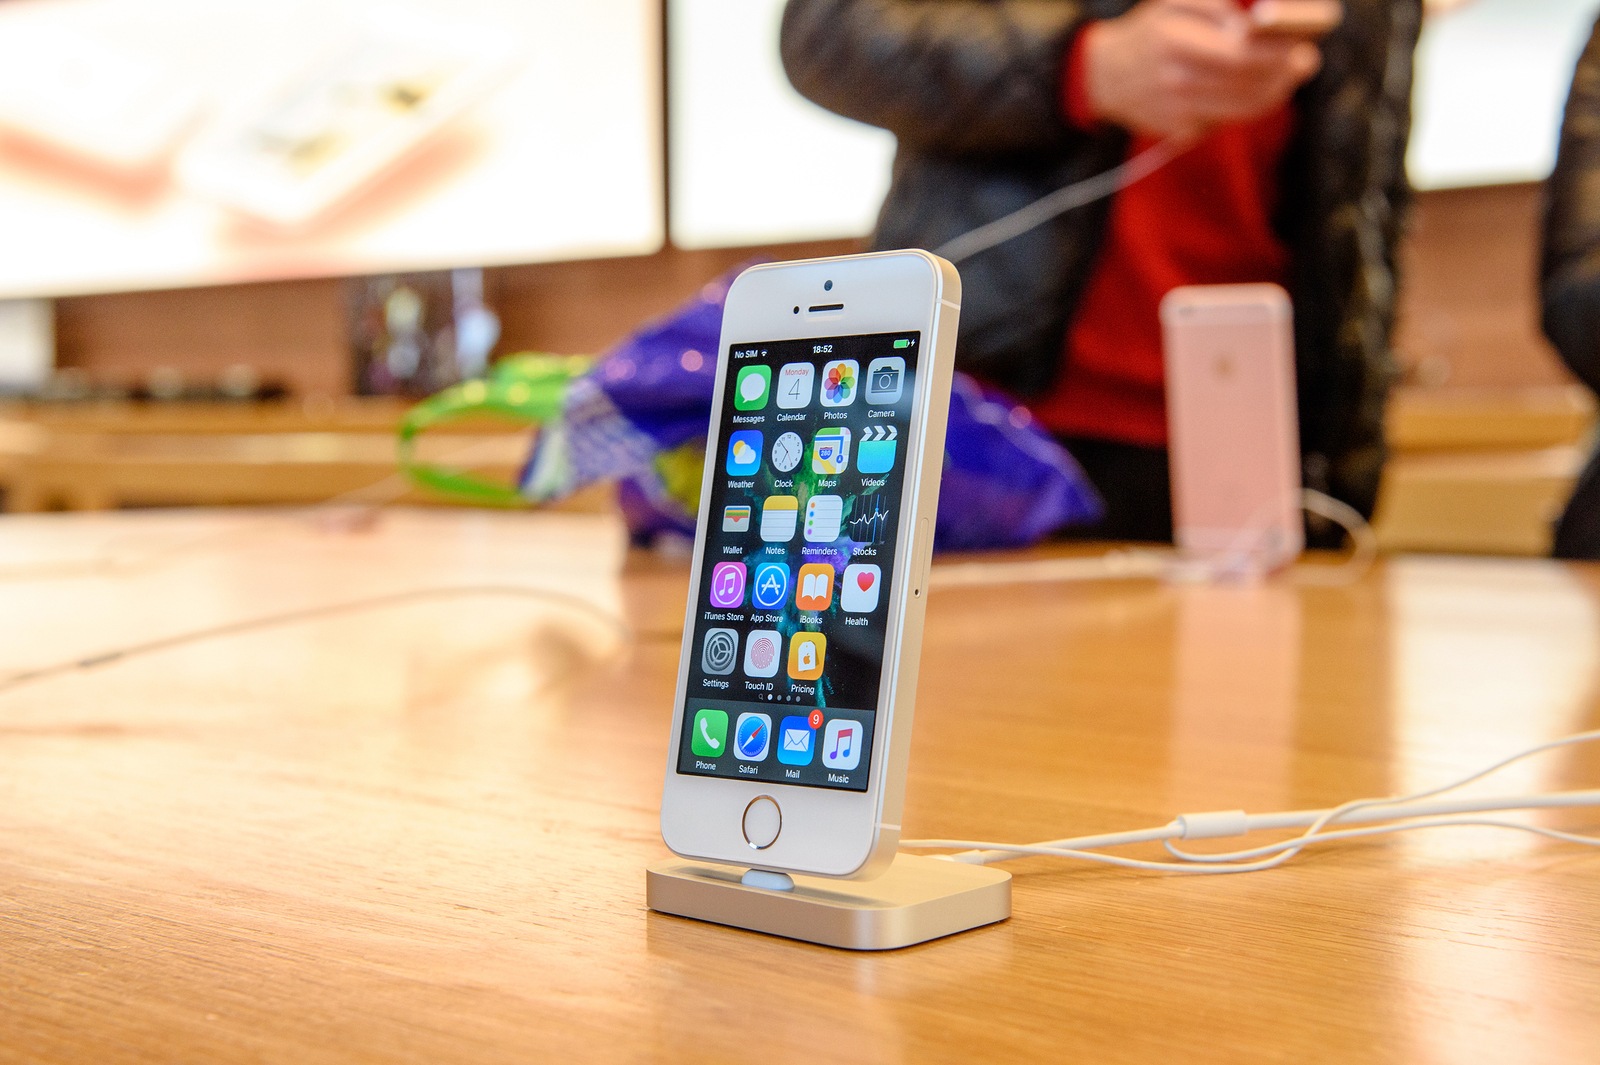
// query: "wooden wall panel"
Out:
[1468,307]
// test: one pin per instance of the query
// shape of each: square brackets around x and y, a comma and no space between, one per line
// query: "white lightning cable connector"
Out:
[1404,813]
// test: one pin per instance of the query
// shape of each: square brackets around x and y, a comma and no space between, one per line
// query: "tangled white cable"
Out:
[1403,813]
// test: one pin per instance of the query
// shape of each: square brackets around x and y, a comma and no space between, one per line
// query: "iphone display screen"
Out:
[790,615]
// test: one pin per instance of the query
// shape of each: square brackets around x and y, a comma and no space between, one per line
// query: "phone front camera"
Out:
[797,310]
[827,286]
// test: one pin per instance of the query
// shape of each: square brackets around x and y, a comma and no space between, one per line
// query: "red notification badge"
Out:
[815,720]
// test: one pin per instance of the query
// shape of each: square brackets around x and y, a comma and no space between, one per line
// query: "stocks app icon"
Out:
[720,651]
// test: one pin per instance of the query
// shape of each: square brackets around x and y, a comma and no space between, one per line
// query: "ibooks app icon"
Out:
[814,587]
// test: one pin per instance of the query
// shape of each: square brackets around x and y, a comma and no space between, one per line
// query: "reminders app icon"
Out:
[823,514]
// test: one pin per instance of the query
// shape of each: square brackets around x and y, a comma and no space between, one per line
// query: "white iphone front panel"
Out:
[804,617]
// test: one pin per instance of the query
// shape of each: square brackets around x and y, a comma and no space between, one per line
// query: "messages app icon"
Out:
[750,388]
[744,452]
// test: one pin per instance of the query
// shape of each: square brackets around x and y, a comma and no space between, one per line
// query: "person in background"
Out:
[1570,279]
[1292,171]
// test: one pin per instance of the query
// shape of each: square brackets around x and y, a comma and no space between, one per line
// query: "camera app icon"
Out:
[885,380]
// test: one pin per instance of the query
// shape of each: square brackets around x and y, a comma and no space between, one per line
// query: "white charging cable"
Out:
[1238,563]
[1405,813]
[1067,198]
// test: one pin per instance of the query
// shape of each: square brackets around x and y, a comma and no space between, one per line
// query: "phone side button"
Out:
[763,820]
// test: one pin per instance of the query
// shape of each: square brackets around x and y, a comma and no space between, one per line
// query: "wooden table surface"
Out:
[419,833]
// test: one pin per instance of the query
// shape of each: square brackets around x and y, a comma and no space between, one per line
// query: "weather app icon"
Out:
[744,452]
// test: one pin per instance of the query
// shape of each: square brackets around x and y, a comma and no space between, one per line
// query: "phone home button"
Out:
[763,820]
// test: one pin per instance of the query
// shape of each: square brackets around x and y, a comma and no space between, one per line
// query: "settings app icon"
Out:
[720,651]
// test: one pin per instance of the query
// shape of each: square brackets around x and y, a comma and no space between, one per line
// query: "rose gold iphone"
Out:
[1233,433]
[797,680]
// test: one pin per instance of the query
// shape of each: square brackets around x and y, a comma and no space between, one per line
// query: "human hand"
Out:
[1180,68]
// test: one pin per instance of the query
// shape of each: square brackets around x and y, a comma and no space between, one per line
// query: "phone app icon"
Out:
[727,585]
[823,515]
[709,736]
[814,589]
[858,589]
[796,740]
[762,649]
[769,586]
[751,387]
[841,744]
[736,519]
[876,452]
[720,651]
[885,380]
[744,452]
[806,653]
[786,452]
[779,515]
[794,384]
[752,737]
[830,450]
[839,382]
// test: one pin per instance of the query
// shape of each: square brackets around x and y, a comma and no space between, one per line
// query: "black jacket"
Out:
[1570,278]
[972,91]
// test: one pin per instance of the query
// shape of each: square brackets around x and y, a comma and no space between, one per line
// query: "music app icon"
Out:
[841,744]
[727,585]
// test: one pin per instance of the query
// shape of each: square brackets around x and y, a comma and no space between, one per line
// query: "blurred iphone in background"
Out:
[1233,433]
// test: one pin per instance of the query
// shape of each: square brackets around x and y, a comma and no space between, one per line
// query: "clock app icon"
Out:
[786,452]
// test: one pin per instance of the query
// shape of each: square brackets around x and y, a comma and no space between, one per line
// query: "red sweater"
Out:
[1203,219]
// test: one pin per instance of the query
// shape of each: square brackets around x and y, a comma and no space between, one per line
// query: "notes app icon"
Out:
[814,587]
[806,652]
[779,515]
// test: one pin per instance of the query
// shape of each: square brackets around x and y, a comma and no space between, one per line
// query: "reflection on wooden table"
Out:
[419,833]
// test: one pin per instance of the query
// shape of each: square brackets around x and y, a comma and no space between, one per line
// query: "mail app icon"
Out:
[796,739]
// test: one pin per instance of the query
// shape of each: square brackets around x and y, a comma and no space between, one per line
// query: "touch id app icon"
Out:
[796,739]
[807,650]
[839,382]
[823,517]
[795,382]
[708,736]
[779,515]
[744,452]
[752,737]
[830,450]
[762,649]
[769,587]
[750,388]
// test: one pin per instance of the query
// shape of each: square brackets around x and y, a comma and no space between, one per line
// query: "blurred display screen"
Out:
[754,162]
[1492,80]
[162,143]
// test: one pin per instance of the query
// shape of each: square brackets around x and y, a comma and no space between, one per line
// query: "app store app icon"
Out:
[769,586]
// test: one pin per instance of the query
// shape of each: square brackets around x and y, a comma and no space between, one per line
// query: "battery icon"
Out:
[902,343]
